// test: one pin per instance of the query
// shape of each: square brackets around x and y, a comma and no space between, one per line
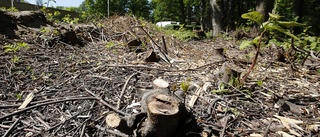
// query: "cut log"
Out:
[127,124]
[160,83]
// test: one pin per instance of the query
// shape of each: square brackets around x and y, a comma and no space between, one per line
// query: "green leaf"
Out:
[8,50]
[19,96]
[110,45]
[22,45]
[313,45]
[274,16]
[254,16]
[276,27]
[292,35]
[245,44]
[185,85]
[273,26]
[15,59]
[259,83]
[310,39]
[255,40]
[289,24]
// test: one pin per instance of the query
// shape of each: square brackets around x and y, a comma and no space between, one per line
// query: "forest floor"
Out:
[62,80]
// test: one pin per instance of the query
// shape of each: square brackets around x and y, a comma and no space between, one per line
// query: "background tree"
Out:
[139,8]
[297,13]
[99,8]
[165,10]
[216,13]
[39,2]
[116,7]
[311,14]
[265,7]
[182,18]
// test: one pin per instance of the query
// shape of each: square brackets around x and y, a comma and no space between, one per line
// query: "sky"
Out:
[66,3]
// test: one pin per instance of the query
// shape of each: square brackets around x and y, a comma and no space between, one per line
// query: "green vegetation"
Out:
[181,34]
[12,9]
[110,45]
[259,83]
[67,19]
[280,31]
[14,48]
[185,85]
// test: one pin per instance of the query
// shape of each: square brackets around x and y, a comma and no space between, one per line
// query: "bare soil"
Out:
[72,76]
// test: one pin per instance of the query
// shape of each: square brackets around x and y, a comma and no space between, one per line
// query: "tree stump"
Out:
[151,56]
[163,115]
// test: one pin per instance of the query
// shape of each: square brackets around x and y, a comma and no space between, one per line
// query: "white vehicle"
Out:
[165,23]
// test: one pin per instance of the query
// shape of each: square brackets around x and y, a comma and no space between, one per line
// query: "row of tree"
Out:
[216,15]
[226,14]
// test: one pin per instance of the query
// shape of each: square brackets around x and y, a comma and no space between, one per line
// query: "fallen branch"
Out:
[105,103]
[11,128]
[162,54]
[43,104]
[55,126]
[157,68]
[123,89]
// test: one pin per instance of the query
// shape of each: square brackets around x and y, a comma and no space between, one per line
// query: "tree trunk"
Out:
[231,14]
[202,15]
[297,12]
[182,12]
[208,19]
[216,17]
[189,12]
[264,7]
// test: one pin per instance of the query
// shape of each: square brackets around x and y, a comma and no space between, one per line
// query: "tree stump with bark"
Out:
[163,115]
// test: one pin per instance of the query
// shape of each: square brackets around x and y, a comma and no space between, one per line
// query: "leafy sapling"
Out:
[273,24]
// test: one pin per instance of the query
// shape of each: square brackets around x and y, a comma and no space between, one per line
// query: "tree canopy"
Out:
[202,11]
[140,8]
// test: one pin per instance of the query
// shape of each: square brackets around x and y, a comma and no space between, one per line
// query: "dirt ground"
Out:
[68,78]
